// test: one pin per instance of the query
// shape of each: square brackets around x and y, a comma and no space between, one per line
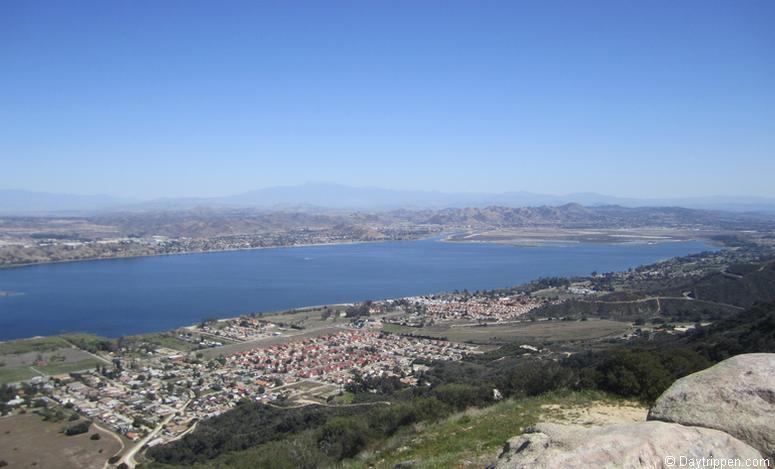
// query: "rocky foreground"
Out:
[724,412]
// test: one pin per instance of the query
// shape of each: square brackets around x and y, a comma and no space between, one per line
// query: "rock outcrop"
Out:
[726,411]
[646,444]
[736,396]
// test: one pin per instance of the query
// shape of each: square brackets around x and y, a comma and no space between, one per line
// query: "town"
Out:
[152,392]
[161,395]
[451,308]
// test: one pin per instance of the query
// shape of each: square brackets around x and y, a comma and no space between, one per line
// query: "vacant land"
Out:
[22,360]
[538,331]
[70,367]
[310,317]
[163,339]
[40,344]
[26,440]
[286,337]
[15,375]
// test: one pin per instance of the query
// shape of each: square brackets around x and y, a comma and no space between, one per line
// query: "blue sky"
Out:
[148,98]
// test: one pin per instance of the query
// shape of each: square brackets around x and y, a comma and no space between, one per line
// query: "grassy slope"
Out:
[16,374]
[474,438]
[42,344]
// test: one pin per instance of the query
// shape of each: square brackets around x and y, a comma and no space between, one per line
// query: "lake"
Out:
[131,296]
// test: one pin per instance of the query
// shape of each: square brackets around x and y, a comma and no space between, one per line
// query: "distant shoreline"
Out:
[162,254]
[530,243]
[442,239]
[448,237]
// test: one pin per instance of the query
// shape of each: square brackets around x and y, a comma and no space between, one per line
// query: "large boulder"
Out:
[645,444]
[736,396]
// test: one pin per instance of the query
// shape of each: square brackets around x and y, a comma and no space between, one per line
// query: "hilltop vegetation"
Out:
[682,290]
[739,285]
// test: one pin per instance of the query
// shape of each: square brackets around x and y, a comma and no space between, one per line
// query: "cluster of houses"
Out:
[428,310]
[172,391]
[240,329]
[133,403]
[334,358]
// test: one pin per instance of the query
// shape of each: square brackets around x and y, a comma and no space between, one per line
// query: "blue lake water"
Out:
[131,296]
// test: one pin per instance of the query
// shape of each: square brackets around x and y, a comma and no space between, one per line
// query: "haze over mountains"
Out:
[342,197]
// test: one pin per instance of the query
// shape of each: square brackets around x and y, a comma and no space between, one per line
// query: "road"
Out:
[305,403]
[129,456]
[112,435]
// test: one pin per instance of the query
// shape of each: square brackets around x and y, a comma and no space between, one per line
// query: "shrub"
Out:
[343,437]
[78,428]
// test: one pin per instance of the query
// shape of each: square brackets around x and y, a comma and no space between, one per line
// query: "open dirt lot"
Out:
[265,342]
[539,331]
[26,441]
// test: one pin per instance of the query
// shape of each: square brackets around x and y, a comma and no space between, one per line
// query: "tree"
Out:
[78,428]
[342,437]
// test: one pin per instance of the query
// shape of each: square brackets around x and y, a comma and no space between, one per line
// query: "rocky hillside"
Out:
[726,411]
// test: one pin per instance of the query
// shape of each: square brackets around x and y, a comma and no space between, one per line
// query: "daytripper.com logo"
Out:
[686,461]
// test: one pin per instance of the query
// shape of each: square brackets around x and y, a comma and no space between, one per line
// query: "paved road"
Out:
[129,456]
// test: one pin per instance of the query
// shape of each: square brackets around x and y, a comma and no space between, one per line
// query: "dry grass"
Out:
[26,441]
[474,438]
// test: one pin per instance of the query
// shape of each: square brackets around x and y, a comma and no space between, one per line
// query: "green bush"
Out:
[78,428]
[343,437]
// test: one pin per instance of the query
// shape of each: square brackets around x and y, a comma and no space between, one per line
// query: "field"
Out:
[41,344]
[26,359]
[14,375]
[539,331]
[493,335]
[244,346]
[164,339]
[69,367]
[26,440]
[475,437]
[308,317]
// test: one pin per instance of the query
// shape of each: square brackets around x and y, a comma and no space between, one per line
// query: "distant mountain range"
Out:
[312,196]
[21,202]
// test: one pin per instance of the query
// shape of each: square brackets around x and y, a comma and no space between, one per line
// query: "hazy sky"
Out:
[165,98]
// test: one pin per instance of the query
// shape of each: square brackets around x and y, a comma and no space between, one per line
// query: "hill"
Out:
[323,195]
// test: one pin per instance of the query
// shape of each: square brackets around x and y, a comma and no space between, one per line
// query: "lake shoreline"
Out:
[165,254]
[441,237]
[113,299]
